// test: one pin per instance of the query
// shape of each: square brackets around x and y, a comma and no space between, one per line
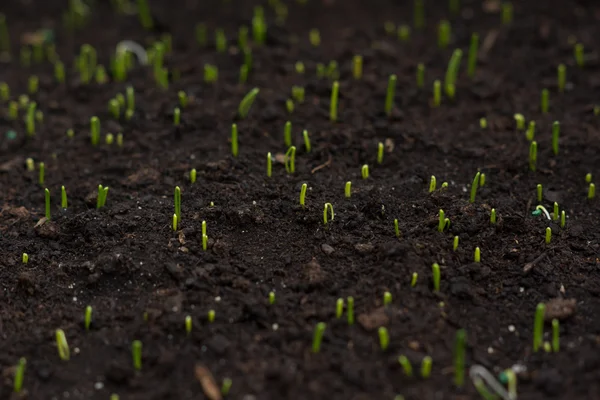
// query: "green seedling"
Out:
[333,106]
[259,26]
[62,345]
[318,337]
[588,178]
[591,191]
[102,194]
[30,119]
[350,310]
[42,173]
[33,84]
[120,138]
[290,160]
[405,364]
[101,75]
[452,73]
[234,140]
[183,99]
[298,93]
[109,139]
[247,102]
[19,375]
[204,242]
[211,316]
[177,202]
[547,347]
[339,308]
[348,189]
[579,56]
[244,73]
[419,14]
[444,33]
[389,97]
[539,192]
[403,33]
[532,155]
[563,219]
[482,180]
[87,319]
[432,184]
[95,130]
[396,229]
[384,338]
[114,108]
[435,269]
[327,207]
[472,57]
[269,165]
[220,41]
[357,67]
[426,367]
[188,325]
[387,298]
[493,216]
[175,222]
[226,386]
[437,93]
[4,91]
[555,211]
[59,72]
[483,123]
[507,13]
[271,298]
[364,171]
[538,326]
[87,63]
[204,228]
[306,141]
[287,134]
[211,73]
[474,187]
[555,335]
[25,258]
[289,106]
[530,133]
[314,37]
[193,175]
[299,67]
[130,98]
[548,235]
[144,14]
[47,201]
[421,75]
[303,195]
[455,243]
[136,354]
[441,221]
[13,110]
[544,101]
[562,77]
[477,255]
[380,148]
[459,357]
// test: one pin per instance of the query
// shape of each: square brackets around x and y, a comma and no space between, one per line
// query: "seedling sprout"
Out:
[426,367]
[348,189]
[538,326]
[350,310]
[364,171]
[459,357]
[339,308]
[247,102]
[19,375]
[290,160]
[405,364]
[25,258]
[435,268]
[87,320]
[555,335]
[455,243]
[303,195]
[326,208]
[62,345]
[384,338]
[136,354]
[387,298]
[389,98]
[318,337]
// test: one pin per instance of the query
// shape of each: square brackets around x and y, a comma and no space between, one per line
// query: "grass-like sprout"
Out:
[493,216]
[507,13]
[545,101]
[459,357]
[455,243]
[287,134]
[555,335]
[333,105]
[441,221]
[384,338]
[63,198]
[203,227]
[413,279]
[114,108]
[318,337]
[289,106]
[420,75]
[472,56]
[130,96]
[259,26]
[298,93]
[299,67]
[405,364]
[95,130]
[220,40]
[364,171]
[269,165]
[588,177]
[19,375]
[539,192]
[176,116]
[234,140]
[387,298]
[390,94]
[188,325]
[247,102]
[339,308]
[193,175]
[314,37]
[483,123]
[42,173]
[175,222]
[548,235]
[403,32]
[419,14]
[396,228]
[211,316]
[109,138]
[538,326]
[579,56]
[25,258]
[226,386]
[380,149]
[102,195]
[136,354]
[452,73]
[350,310]
[177,202]
[306,141]
[530,133]
[561,77]
[532,155]
[432,184]
[4,91]
[204,242]
[244,73]
[437,93]
[290,160]
[474,187]
[482,179]
[426,367]
[30,118]
[47,202]
[357,68]
[435,270]
[87,319]
[444,33]
[477,255]
[326,208]
[211,73]
[348,189]
[563,219]
[555,211]
[303,195]
[591,191]
[144,14]
[271,298]
[30,166]
[62,345]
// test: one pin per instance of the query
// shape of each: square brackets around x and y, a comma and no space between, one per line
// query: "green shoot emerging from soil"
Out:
[175,222]
[563,219]
[380,149]
[426,367]
[474,187]
[435,269]
[271,298]
[47,201]
[579,56]
[444,33]
[591,191]
[555,211]
[357,68]
[405,364]
[539,192]
[384,338]
[303,195]
[482,180]
[318,337]
[477,255]
[145,14]
[188,325]
[289,106]
[333,105]
[452,73]
[387,298]
[350,310]
[177,202]
[62,345]
[530,133]
[25,258]
[396,229]
[306,141]
[234,140]
[193,175]
[176,116]
[287,134]
[87,319]
[432,184]
[455,243]
[544,101]
[290,160]
[326,208]
[441,221]
[472,57]
[437,93]
[339,308]
[102,195]
[95,130]
[588,178]
[493,216]
[348,189]
[562,77]
[459,357]
[532,155]
[19,375]
[538,326]
[548,235]
[247,102]
[63,198]
[42,174]
[420,75]
[555,335]
[269,165]
[413,280]
[136,354]
[389,98]
[482,123]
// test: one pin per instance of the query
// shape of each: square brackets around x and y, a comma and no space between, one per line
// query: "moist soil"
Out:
[142,278]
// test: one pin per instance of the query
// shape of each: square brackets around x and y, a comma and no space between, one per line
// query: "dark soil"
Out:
[142,279]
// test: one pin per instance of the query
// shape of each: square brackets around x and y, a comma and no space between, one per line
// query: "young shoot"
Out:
[389,97]
[507,13]
[306,141]
[226,386]
[420,75]
[357,62]
[579,57]
[588,177]
[175,222]
[437,93]
[405,364]
[193,175]
[387,298]
[474,187]
[188,325]
[555,211]
[539,192]
[25,258]
[544,101]
[384,338]
[177,203]
[364,171]
[444,33]
[538,326]
[303,195]
[452,73]
[591,191]
[333,105]
[472,57]
[483,123]
[290,160]
[403,33]
[326,208]
[247,102]
[269,165]
[95,130]
[413,280]
[459,357]
[441,221]
[548,235]
[136,354]
[63,198]
[562,77]
[532,155]
[62,345]
[287,134]
[47,201]
[530,133]
[493,216]
[314,37]
[339,308]
[348,189]
[380,149]
[234,140]
[477,255]
[455,243]
[318,337]
[435,269]
[520,121]
[426,367]
[220,41]
[350,310]
[396,229]
[298,94]
[204,242]
[102,194]
[555,335]
[289,106]
[19,375]
[271,298]
[211,316]
[563,219]
[42,173]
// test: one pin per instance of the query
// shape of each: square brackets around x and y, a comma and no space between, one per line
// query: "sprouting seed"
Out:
[555,335]
[136,354]
[530,133]
[318,337]
[357,66]
[299,67]
[538,326]
[405,364]
[579,57]
[226,386]
[555,211]
[419,14]
[520,120]
[269,165]
[483,123]
[426,367]
[459,357]
[493,216]
[482,179]
[452,73]
[303,195]
[413,280]
[177,202]
[211,316]
[62,345]
[350,310]
[588,177]
[474,187]
[298,93]
[211,73]
[477,255]
[339,308]
[19,375]
[441,221]
[271,298]
[364,171]
[435,269]
[220,40]
[444,33]
[101,198]
[176,116]
[188,325]
[455,243]
[87,320]
[591,191]
[545,100]
[306,141]
[437,93]
[42,173]
[432,184]
[314,37]
[420,75]
[562,77]
[396,228]
[327,207]
[203,227]
[47,201]
[472,57]
[563,219]
[548,235]
[287,134]
[384,338]
[109,139]
[290,160]
[539,192]
[193,175]
[389,97]
[174,222]
[289,106]
[403,32]
[507,13]
[33,84]
[387,298]
[247,102]
[348,189]
[63,198]
[532,155]
[333,106]
[204,242]
[95,130]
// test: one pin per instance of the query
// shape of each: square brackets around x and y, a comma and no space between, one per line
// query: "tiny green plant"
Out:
[452,73]
[102,194]
[482,179]
[545,101]
[62,345]
[532,155]
[333,105]
[459,357]
[63,198]
[562,77]
[339,308]
[413,280]
[493,216]
[318,337]
[579,56]
[287,134]
[350,310]
[247,102]
[327,210]
[357,66]
[136,354]
[25,258]
[419,14]
[530,133]
[47,201]
[220,40]
[306,141]
[271,298]
[226,386]
[384,338]
[42,173]
[314,37]
[435,269]
[563,219]
[426,367]
[298,93]
[303,195]
[176,116]
[211,73]
[299,67]
[289,106]
[234,140]
[95,130]
[455,243]
[348,189]
[204,242]
[444,33]
[555,335]
[591,191]
[474,187]
[477,255]
[290,160]
[387,298]
[177,203]
[193,175]
[269,165]
[539,192]
[555,212]
[390,94]
[30,165]
[87,319]
[403,33]
[437,93]
[472,56]
[396,228]
[441,221]
[420,75]
[174,222]
[507,13]
[364,171]
[432,184]
[588,177]
[405,364]
[19,375]
[538,326]
[548,235]
[211,316]
[483,123]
